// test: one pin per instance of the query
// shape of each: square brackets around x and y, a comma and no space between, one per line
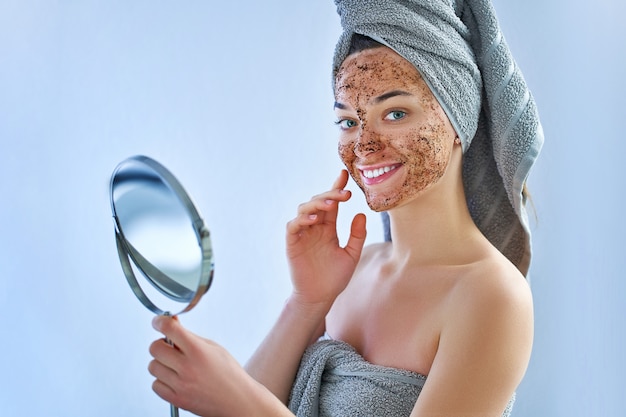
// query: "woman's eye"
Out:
[345,123]
[395,115]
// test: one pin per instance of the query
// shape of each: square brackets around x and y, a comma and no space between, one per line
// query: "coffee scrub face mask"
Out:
[396,141]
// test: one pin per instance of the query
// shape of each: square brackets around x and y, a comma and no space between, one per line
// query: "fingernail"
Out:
[312,216]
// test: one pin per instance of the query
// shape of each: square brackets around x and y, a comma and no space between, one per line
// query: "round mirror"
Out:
[160,237]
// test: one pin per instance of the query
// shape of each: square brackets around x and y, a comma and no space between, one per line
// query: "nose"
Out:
[367,143]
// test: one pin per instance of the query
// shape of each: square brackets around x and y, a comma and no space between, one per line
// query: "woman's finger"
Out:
[336,193]
[358,233]
[341,181]
[339,194]
[322,208]
[324,201]
[166,353]
[173,331]
[316,211]
[162,372]
[164,391]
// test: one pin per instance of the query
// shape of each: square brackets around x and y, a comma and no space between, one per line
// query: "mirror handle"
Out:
[173,408]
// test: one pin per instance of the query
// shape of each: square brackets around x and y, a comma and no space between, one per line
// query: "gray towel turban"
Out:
[459,50]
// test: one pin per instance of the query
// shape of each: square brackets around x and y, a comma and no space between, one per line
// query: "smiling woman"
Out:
[232,96]
[438,320]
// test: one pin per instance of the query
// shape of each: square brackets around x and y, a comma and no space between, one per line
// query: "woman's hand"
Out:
[320,267]
[199,375]
[320,270]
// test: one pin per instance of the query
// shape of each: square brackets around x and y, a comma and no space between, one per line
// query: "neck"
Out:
[436,227]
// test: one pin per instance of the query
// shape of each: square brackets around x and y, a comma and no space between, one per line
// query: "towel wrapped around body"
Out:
[334,380]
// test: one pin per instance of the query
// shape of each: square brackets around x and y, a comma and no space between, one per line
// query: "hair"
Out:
[360,43]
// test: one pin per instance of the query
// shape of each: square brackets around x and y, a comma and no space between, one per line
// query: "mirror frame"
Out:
[129,256]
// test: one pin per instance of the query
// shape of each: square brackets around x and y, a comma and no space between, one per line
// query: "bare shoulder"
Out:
[492,287]
[485,342]
[492,302]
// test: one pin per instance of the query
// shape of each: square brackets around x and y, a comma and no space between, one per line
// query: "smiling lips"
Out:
[378,175]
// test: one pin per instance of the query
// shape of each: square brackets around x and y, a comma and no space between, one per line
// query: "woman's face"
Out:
[395,139]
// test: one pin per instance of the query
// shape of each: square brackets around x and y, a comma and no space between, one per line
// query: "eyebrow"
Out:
[390,94]
[379,99]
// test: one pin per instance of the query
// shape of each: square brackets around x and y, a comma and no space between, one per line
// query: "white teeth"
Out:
[373,173]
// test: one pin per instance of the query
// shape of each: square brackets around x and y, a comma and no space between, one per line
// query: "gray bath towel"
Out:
[461,53]
[334,380]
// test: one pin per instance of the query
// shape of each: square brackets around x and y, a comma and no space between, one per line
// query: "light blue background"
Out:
[235,98]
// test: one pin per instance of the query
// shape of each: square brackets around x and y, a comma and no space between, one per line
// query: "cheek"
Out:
[423,151]
[428,152]
[348,157]
[346,152]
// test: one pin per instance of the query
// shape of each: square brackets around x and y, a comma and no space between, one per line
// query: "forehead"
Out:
[374,70]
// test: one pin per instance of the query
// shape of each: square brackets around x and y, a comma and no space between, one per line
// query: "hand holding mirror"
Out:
[160,237]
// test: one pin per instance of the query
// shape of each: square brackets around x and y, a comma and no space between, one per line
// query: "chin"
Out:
[381,203]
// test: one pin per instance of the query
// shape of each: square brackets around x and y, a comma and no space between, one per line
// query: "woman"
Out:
[437,321]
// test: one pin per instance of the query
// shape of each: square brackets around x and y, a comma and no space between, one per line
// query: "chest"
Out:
[394,322]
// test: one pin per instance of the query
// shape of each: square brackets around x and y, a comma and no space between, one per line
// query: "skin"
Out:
[439,300]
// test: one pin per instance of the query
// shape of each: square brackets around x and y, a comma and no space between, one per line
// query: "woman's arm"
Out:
[276,361]
[483,351]
[320,270]
[198,375]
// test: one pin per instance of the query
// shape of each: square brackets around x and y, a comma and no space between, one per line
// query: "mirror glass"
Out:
[160,237]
